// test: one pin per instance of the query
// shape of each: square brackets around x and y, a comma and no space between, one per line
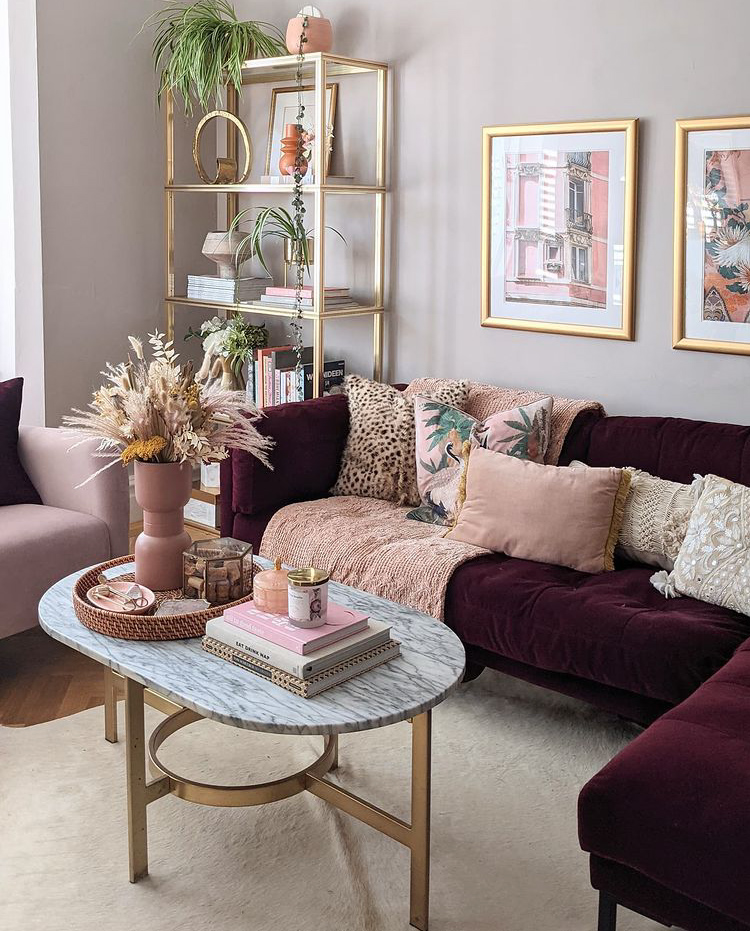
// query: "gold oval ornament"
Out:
[226,168]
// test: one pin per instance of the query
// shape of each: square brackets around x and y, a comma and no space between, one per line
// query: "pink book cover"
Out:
[342,623]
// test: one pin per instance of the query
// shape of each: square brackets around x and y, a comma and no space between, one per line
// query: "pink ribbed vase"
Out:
[162,489]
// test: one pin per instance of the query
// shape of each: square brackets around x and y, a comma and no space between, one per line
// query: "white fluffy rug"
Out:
[509,760]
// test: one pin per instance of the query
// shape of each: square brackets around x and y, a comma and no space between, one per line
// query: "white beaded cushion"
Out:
[379,460]
[713,564]
[657,513]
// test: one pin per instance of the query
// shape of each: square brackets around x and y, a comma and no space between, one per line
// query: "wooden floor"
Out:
[41,679]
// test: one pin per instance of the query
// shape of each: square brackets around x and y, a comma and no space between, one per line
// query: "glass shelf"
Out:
[360,311]
[276,188]
[268,70]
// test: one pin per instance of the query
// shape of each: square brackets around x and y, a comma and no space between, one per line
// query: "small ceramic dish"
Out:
[100,599]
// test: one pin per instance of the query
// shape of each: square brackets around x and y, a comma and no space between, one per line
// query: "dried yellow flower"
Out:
[143,449]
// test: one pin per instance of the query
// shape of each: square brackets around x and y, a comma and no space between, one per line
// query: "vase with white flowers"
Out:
[152,412]
[228,346]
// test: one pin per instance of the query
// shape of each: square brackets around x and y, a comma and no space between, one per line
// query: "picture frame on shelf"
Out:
[559,228]
[284,108]
[711,310]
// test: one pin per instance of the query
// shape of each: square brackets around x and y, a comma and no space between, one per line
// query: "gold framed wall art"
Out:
[558,227]
[712,235]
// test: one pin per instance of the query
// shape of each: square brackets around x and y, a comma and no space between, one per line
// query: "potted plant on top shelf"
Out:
[200,48]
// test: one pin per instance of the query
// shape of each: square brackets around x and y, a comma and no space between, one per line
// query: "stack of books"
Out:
[284,298]
[275,379]
[225,290]
[305,661]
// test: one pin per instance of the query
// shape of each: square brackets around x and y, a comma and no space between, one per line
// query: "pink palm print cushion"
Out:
[441,431]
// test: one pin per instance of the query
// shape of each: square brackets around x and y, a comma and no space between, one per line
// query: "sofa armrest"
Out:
[56,469]
[309,439]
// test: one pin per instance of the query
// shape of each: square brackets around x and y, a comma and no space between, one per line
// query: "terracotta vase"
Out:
[289,144]
[162,489]
[319,35]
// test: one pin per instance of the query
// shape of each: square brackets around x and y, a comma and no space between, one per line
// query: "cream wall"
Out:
[102,176]
[457,67]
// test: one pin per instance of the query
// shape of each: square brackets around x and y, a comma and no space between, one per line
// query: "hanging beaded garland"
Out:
[298,206]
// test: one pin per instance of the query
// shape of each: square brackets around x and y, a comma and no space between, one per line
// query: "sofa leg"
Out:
[472,671]
[607,913]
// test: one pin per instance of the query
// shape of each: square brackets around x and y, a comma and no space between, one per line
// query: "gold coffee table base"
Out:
[141,793]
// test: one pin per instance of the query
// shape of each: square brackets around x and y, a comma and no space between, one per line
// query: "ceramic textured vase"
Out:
[162,489]
[319,35]
[221,247]
[289,147]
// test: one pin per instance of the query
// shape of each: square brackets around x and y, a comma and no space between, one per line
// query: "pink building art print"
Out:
[556,209]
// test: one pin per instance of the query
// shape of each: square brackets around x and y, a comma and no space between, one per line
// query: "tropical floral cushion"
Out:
[441,431]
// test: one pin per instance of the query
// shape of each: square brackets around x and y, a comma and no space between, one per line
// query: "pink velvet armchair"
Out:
[71,529]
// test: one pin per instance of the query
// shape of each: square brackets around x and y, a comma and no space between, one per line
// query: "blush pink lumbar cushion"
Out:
[567,517]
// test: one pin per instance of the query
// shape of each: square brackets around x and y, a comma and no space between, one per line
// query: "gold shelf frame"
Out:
[317,69]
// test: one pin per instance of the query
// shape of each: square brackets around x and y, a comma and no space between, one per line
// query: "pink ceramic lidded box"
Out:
[270,590]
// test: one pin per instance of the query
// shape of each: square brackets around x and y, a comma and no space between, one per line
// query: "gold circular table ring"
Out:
[226,167]
[233,796]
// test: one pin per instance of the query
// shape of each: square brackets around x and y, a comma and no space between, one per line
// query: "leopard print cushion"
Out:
[379,460]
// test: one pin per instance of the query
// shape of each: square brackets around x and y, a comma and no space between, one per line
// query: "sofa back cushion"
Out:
[309,439]
[15,485]
[670,447]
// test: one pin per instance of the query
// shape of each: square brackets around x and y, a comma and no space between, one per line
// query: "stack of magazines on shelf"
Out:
[305,661]
[284,299]
[275,379]
[218,290]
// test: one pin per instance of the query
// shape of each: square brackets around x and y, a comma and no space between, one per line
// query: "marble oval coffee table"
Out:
[187,682]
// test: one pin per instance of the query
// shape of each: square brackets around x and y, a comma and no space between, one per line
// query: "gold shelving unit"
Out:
[317,68]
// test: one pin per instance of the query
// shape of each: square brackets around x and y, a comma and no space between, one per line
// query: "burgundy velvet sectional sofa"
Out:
[667,822]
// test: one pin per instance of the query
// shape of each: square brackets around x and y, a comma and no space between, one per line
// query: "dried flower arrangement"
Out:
[155,411]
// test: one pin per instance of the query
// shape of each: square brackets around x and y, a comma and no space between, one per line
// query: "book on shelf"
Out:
[275,378]
[306,292]
[305,688]
[225,290]
[278,629]
[292,662]
[306,302]
[284,304]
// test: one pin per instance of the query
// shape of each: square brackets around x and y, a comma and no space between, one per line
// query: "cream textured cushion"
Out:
[713,564]
[656,517]
[379,460]
[567,517]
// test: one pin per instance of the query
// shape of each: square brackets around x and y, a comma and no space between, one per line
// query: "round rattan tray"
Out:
[140,626]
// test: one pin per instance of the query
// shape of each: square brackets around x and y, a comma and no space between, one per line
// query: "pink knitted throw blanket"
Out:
[369,544]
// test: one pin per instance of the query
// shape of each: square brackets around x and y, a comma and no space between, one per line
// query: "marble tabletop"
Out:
[429,669]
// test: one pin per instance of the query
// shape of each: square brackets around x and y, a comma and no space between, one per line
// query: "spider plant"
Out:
[200,47]
[274,222]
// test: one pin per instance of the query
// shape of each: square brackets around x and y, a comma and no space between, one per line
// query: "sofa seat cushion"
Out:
[38,546]
[673,805]
[613,628]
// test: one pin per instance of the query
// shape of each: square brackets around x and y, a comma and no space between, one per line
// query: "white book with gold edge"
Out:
[305,688]
[296,664]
